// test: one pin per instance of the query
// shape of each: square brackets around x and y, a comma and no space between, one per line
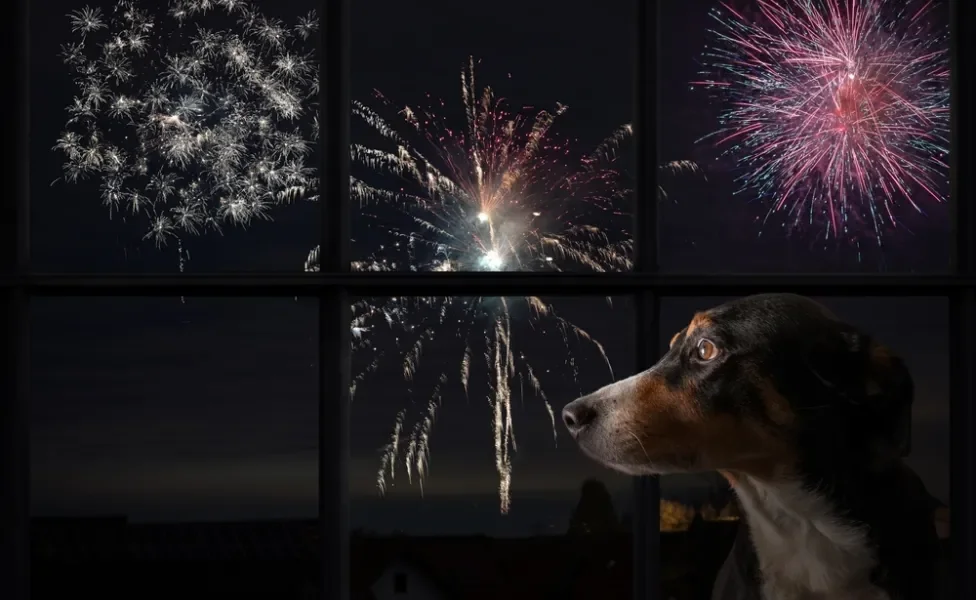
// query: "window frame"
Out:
[334,284]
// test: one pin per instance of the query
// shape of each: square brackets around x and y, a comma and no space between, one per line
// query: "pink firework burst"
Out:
[836,111]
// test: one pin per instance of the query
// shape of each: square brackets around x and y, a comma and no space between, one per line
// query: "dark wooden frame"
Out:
[335,283]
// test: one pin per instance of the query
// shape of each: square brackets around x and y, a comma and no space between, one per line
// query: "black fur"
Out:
[814,388]
[849,433]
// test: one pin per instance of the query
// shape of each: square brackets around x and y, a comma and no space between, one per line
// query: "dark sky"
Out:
[206,409]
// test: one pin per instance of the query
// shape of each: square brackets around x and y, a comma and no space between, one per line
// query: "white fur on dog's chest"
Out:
[805,552]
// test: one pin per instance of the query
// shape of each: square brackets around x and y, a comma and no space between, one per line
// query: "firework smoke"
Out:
[837,111]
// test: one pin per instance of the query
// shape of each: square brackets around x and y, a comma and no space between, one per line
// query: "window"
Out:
[730,109]
[168,432]
[30,281]
[495,153]
[178,140]
[459,457]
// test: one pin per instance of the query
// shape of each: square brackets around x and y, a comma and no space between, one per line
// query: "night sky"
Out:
[163,409]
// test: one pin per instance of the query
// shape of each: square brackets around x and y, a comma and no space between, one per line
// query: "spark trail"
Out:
[502,192]
[837,111]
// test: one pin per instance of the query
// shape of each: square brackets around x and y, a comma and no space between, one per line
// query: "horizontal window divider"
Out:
[477,284]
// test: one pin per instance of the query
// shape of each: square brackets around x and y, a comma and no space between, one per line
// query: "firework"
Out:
[218,128]
[186,123]
[837,111]
[486,336]
[500,193]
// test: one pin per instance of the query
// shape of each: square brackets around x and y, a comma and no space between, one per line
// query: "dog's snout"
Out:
[578,414]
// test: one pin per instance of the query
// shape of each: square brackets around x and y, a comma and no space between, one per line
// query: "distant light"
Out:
[536,214]
[548,259]
[483,217]
[492,260]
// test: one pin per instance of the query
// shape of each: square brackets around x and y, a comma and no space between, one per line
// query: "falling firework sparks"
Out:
[500,194]
[186,123]
[398,330]
[836,110]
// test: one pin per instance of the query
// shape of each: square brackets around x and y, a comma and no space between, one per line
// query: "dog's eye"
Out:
[707,350]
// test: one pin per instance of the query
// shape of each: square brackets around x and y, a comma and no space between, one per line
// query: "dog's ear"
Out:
[887,393]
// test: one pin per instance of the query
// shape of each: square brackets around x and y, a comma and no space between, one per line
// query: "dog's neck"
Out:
[806,551]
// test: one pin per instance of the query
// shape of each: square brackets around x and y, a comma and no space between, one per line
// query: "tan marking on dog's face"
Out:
[674,338]
[699,321]
[671,428]
[656,396]
[738,409]
[669,431]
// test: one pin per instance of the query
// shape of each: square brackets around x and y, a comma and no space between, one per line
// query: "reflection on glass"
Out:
[462,471]
[822,151]
[180,121]
[170,439]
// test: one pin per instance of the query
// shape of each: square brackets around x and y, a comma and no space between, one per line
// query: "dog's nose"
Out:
[578,414]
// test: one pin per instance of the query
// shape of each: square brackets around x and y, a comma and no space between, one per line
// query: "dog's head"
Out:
[750,387]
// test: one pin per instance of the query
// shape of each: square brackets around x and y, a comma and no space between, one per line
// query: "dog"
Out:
[808,419]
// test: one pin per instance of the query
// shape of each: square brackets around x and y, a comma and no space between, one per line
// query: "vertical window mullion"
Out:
[647,490]
[14,430]
[645,137]
[961,397]
[14,449]
[960,123]
[963,305]
[334,305]
[334,380]
[14,256]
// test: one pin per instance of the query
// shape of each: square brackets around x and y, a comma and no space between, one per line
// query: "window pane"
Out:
[174,136]
[818,144]
[176,441]
[463,475]
[916,329]
[490,138]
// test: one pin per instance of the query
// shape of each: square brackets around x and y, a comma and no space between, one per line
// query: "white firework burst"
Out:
[187,123]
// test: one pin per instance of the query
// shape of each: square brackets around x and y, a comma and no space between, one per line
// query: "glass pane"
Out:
[489,138]
[706,513]
[174,136]
[463,475]
[816,143]
[174,441]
